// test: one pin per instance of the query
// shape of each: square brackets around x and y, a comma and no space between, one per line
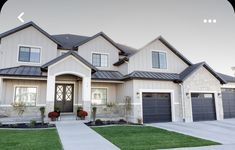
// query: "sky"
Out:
[137,22]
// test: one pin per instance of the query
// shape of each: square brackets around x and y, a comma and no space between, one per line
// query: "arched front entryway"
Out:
[69,68]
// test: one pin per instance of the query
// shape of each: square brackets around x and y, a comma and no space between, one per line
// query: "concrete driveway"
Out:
[219,131]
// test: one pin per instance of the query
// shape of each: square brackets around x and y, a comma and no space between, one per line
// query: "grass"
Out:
[148,138]
[47,139]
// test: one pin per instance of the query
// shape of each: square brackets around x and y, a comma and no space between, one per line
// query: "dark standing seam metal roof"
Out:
[69,40]
[152,76]
[107,75]
[35,71]
[66,55]
[26,71]
[26,26]
[227,77]
[104,36]
[191,69]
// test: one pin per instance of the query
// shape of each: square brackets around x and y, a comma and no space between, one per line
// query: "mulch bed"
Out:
[103,123]
[27,125]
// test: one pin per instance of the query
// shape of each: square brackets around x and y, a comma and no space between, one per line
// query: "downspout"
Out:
[182,100]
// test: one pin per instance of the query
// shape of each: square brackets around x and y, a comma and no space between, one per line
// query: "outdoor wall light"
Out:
[219,94]
[187,94]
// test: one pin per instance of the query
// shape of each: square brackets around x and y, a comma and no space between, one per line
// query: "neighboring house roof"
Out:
[69,40]
[152,76]
[167,44]
[193,68]
[227,77]
[28,71]
[19,28]
[45,66]
[107,75]
[104,36]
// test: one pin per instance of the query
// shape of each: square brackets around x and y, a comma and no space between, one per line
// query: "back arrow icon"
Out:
[19,17]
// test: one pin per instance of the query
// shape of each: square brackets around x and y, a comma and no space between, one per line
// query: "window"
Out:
[159,60]
[29,54]
[98,96]
[100,60]
[26,94]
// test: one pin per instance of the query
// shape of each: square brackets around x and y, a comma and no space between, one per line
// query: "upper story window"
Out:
[99,60]
[159,60]
[29,54]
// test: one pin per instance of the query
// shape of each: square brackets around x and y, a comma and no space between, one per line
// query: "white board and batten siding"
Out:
[142,60]
[100,45]
[31,37]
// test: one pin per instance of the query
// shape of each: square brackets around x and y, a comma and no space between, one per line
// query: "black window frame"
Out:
[100,56]
[19,60]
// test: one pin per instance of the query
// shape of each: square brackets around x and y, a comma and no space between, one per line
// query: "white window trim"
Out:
[99,87]
[172,95]
[27,86]
[167,63]
[31,46]
[101,53]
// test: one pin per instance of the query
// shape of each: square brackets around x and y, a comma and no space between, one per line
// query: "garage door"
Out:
[156,107]
[203,106]
[228,97]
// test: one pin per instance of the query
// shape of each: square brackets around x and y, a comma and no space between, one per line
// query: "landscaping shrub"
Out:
[32,123]
[99,122]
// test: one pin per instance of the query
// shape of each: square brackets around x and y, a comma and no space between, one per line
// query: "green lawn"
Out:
[148,138]
[47,139]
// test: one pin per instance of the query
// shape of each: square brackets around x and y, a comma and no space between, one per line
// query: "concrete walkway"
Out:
[219,131]
[75,135]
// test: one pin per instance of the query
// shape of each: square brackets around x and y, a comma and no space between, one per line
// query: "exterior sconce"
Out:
[187,94]
[137,94]
[219,94]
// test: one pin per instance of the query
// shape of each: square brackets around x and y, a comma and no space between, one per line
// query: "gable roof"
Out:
[26,25]
[45,66]
[173,49]
[193,68]
[97,35]
[167,44]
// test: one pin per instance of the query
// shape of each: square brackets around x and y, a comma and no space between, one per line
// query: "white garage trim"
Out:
[215,93]
[141,91]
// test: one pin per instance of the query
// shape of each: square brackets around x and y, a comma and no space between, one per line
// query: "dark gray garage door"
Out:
[228,97]
[156,107]
[203,106]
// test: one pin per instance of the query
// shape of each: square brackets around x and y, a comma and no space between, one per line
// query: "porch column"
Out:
[86,95]
[50,93]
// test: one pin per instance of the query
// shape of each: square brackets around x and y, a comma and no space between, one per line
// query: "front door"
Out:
[64,97]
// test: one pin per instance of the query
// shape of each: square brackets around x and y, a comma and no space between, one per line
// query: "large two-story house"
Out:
[67,71]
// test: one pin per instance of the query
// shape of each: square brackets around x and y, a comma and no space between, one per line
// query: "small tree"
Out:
[20,107]
[42,110]
[94,110]
[127,107]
